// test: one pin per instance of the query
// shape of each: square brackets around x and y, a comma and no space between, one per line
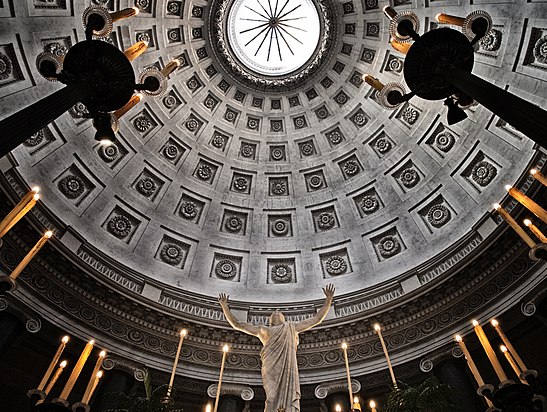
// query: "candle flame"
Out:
[497,206]
[183,332]
[458,338]
[344,345]
[533,172]
[437,16]
[105,142]
[65,339]
[48,234]
[475,323]
[508,187]
[91,342]
[372,404]
[36,197]
[139,96]
[62,365]
[208,408]
[137,10]
[527,222]
[494,322]
[356,400]
[377,327]
[102,354]
[225,348]
[145,43]
[503,348]
[35,189]
[338,408]
[99,374]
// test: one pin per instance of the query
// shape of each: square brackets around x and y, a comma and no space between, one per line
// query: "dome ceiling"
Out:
[269,187]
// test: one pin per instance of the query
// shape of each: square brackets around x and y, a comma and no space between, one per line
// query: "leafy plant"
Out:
[153,402]
[428,396]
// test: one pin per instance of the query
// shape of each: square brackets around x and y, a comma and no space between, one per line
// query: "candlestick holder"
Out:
[80,407]
[35,396]
[514,397]
[7,284]
[538,252]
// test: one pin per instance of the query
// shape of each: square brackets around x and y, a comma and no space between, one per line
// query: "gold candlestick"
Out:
[512,362]
[53,362]
[471,365]
[373,81]
[124,14]
[56,375]
[77,370]
[508,344]
[225,350]
[448,19]
[514,225]
[88,395]
[170,68]
[93,377]
[372,405]
[183,333]
[535,230]
[378,329]
[527,203]
[26,260]
[400,47]
[25,204]
[539,177]
[489,351]
[356,405]
[345,350]
[135,99]
[136,50]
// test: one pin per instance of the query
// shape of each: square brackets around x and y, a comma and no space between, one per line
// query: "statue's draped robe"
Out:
[279,368]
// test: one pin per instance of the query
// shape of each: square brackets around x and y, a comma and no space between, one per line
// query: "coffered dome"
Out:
[269,181]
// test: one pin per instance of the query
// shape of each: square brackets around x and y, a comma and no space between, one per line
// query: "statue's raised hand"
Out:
[329,291]
[223,299]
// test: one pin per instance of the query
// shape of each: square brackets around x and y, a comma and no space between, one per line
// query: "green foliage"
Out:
[428,396]
[151,403]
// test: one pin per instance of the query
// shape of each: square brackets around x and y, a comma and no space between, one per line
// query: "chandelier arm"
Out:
[18,127]
[519,113]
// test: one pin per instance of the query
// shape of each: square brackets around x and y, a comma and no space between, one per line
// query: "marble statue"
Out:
[280,340]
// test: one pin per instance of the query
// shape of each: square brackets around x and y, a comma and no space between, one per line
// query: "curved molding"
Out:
[325,389]
[245,392]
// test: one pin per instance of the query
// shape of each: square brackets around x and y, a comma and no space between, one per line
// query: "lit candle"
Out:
[390,12]
[372,405]
[356,405]
[448,19]
[170,68]
[338,408]
[88,396]
[528,203]
[124,14]
[400,47]
[135,99]
[25,204]
[23,264]
[471,365]
[378,329]
[345,350]
[208,408]
[53,362]
[508,345]
[93,377]
[56,375]
[512,362]
[539,177]
[77,370]
[225,350]
[136,50]
[514,225]
[535,230]
[373,81]
[182,334]
[489,351]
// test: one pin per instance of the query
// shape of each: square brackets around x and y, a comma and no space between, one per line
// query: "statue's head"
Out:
[277,318]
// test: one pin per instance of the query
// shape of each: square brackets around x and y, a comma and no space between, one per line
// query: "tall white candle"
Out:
[182,335]
[93,377]
[88,396]
[378,329]
[489,351]
[345,349]
[25,204]
[512,362]
[77,370]
[53,362]
[508,345]
[56,375]
[225,350]
[32,252]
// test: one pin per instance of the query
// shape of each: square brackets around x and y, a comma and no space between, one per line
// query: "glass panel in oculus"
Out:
[273,37]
